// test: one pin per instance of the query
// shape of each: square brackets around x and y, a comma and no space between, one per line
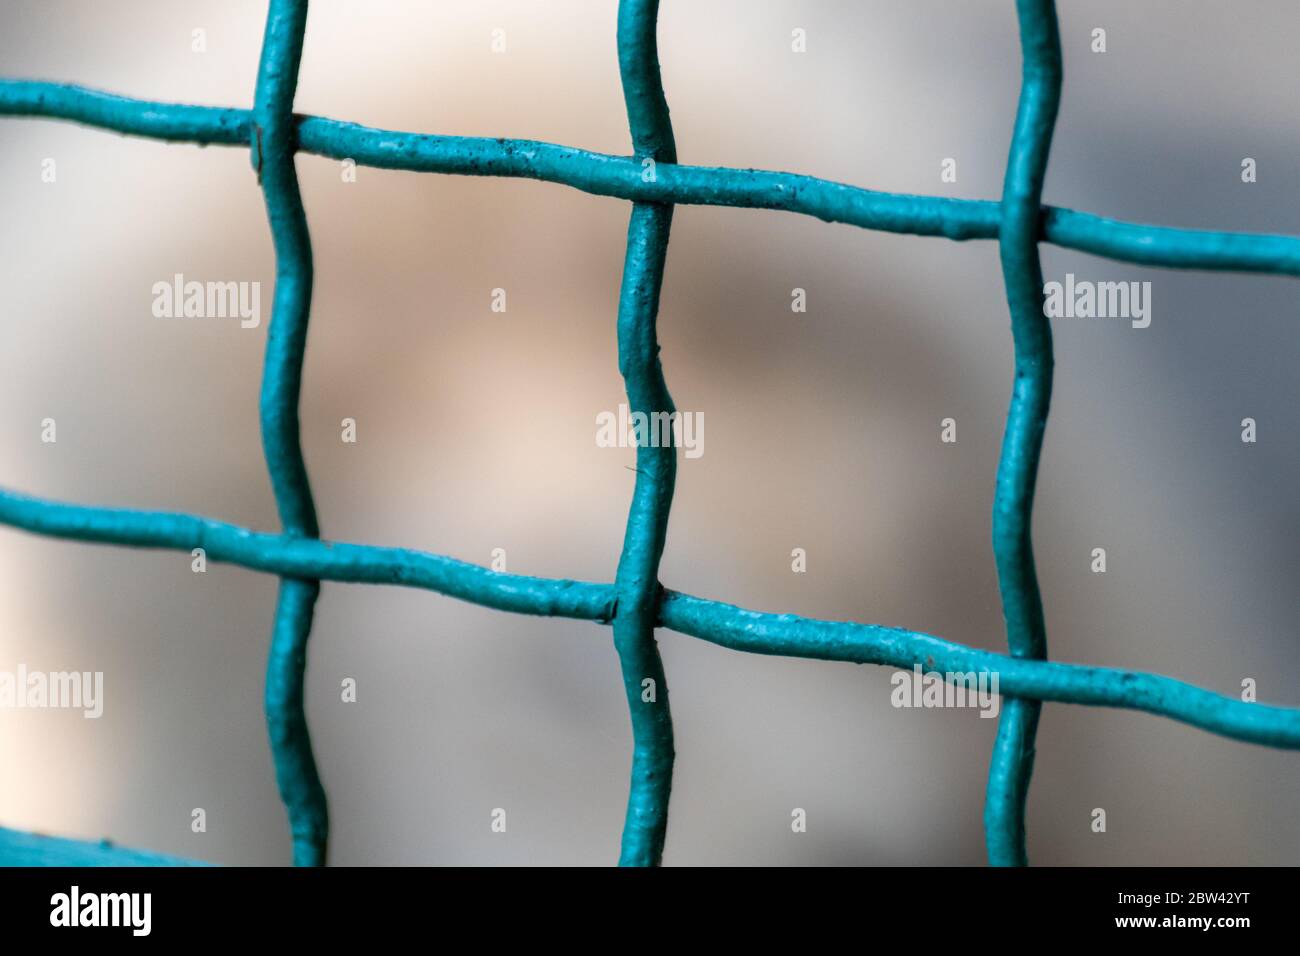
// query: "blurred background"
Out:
[476,431]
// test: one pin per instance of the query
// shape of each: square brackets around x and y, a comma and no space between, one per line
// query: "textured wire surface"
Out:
[635,604]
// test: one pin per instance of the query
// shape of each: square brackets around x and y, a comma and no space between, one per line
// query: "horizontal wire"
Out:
[20,848]
[299,557]
[718,623]
[623,177]
[789,635]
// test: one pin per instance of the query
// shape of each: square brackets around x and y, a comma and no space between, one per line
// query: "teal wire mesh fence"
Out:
[635,604]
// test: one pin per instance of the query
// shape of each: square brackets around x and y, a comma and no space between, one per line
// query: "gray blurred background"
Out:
[476,431]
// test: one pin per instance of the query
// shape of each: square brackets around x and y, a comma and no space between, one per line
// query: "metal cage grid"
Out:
[635,604]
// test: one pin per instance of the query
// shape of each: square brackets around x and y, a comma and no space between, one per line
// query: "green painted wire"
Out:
[18,848]
[754,632]
[292,556]
[273,146]
[789,635]
[635,602]
[1012,761]
[636,584]
[621,177]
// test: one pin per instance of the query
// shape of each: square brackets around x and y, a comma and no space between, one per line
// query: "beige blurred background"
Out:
[476,431]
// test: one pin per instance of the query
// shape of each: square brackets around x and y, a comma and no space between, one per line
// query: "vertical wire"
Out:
[273,146]
[636,583]
[1022,606]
